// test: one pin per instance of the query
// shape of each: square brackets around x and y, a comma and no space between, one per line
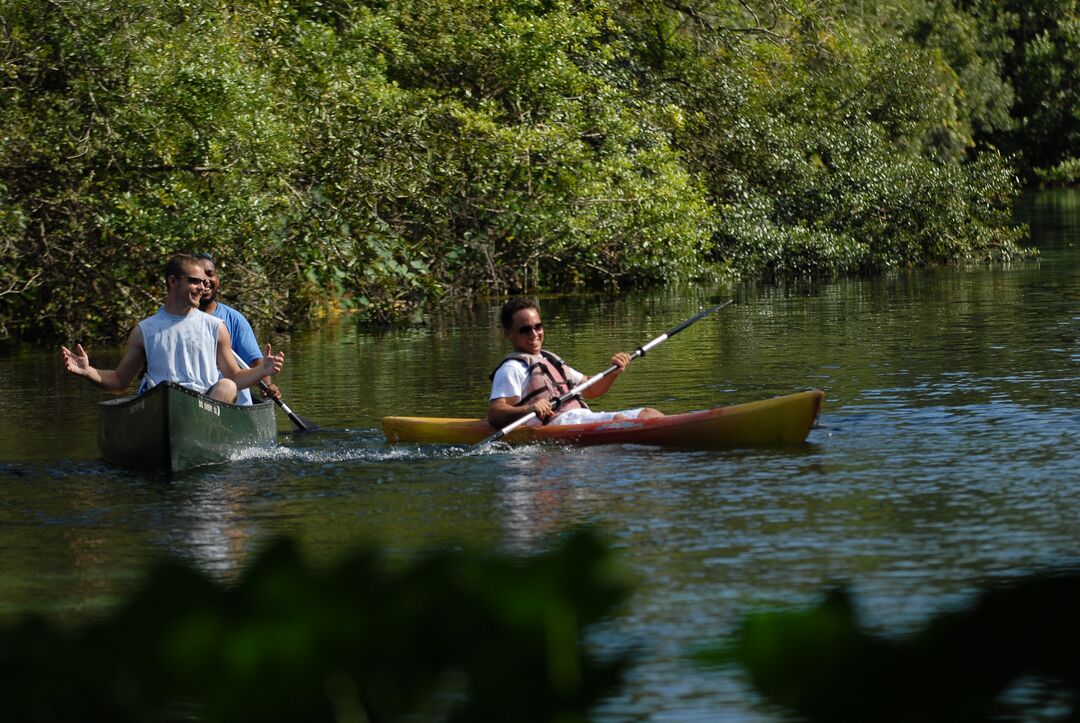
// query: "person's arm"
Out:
[268,365]
[506,389]
[243,339]
[501,411]
[114,380]
[247,347]
[621,360]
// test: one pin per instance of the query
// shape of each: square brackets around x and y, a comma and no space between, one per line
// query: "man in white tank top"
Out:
[179,344]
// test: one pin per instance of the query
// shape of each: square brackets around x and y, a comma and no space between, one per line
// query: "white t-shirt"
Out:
[513,376]
[510,381]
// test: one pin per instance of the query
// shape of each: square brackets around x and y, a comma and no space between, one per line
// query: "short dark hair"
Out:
[178,265]
[204,257]
[506,316]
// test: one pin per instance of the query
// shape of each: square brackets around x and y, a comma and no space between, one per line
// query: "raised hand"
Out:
[272,363]
[77,362]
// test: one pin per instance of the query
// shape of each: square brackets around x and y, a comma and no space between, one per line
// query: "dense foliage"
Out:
[383,155]
[452,635]
[1016,65]
[824,665]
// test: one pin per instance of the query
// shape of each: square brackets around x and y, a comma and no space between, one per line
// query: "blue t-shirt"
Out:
[243,341]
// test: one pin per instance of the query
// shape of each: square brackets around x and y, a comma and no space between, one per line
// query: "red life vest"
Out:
[547,380]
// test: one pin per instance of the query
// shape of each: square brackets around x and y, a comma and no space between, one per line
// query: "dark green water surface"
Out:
[949,455]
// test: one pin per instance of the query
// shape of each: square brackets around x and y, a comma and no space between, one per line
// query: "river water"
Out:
[948,455]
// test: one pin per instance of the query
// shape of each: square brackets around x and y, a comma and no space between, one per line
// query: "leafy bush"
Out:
[823,665]
[1065,173]
[827,152]
[450,635]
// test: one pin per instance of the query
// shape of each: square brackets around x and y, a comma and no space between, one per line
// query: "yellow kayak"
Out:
[781,420]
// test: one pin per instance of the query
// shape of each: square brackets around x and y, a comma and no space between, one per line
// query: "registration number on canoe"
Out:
[210,407]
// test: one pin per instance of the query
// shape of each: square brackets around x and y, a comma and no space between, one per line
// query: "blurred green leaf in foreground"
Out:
[821,664]
[452,635]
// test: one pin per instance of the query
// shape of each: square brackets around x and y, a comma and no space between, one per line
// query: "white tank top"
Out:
[182,349]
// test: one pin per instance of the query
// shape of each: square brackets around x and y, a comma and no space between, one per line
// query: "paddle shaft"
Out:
[301,424]
[640,351]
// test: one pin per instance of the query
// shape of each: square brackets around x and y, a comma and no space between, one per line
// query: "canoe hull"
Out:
[781,420]
[172,429]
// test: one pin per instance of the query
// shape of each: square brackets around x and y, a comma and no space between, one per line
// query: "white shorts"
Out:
[588,416]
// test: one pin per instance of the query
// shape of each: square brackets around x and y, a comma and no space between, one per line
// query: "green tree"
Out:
[826,148]
[382,156]
[1015,57]
[131,131]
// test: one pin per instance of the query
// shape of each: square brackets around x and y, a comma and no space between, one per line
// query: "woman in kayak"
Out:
[529,379]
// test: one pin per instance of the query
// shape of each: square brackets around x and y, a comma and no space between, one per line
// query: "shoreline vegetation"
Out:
[382,157]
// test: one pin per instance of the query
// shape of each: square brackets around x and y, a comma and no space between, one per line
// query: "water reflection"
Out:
[545,490]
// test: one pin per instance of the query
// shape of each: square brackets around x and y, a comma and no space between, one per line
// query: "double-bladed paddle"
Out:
[301,424]
[640,351]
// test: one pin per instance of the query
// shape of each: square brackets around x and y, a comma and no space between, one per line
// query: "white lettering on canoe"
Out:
[210,407]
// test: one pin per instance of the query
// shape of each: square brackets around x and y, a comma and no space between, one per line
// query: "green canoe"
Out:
[171,429]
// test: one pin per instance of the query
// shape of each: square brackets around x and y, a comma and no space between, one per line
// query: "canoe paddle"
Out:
[301,424]
[640,351]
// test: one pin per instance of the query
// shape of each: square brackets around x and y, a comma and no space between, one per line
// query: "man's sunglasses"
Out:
[524,330]
[197,280]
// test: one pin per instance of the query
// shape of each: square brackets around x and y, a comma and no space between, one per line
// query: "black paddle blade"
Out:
[299,423]
[303,425]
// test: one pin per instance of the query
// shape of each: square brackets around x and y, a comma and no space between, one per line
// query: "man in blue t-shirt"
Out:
[243,337]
